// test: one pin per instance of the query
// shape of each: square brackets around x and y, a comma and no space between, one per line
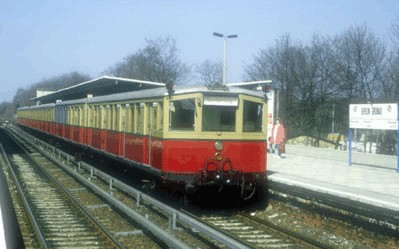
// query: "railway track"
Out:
[136,219]
[131,218]
[259,233]
[61,211]
[56,217]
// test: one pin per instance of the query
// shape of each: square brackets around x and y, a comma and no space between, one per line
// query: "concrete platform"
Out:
[372,179]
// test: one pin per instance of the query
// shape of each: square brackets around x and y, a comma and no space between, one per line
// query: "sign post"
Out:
[373,116]
[350,146]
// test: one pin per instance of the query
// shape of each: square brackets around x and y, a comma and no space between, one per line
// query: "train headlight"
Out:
[218,146]
[218,156]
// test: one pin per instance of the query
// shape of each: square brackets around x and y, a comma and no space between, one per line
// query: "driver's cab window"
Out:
[182,114]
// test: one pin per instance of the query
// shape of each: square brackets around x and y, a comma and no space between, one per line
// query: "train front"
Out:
[216,139]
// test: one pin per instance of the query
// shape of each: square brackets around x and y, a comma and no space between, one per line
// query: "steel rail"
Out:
[155,229]
[175,215]
[303,240]
[83,210]
[34,223]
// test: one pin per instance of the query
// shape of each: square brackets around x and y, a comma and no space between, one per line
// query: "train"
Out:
[185,137]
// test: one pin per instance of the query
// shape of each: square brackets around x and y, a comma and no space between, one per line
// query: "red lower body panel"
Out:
[191,156]
[193,162]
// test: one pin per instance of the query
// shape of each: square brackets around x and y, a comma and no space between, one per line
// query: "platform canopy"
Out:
[104,85]
[252,85]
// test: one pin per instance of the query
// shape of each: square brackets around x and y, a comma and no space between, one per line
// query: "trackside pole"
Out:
[350,146]
[397,155]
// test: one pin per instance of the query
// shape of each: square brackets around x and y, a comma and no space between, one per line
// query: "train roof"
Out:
[43,106]
[114,89]
[102,86]
[161,92]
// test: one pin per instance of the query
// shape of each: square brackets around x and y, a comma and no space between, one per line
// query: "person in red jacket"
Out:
[278,137]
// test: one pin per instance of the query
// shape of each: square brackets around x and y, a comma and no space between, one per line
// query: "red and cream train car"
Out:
[191,136]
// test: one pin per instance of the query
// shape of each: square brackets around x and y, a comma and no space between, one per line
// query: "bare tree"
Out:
[210,73]
[390,82]
[279,64]
[360,57]
[313,90]
[158,61]
[324,76]
[395,32]
[6,111]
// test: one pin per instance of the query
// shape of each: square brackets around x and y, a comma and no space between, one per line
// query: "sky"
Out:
[42,39]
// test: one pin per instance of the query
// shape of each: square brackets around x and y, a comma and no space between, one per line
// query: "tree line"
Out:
[316,82]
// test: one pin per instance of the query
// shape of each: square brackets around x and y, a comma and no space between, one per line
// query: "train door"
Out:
[124,125]
[72,118]
[131,147]
[88,124]
[120,127]
[57,115]
[152,125]
[141,132]
[80,123]
[102,126]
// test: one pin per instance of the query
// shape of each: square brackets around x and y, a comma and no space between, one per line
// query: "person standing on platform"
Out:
[277,138]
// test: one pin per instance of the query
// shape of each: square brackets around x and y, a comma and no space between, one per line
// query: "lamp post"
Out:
[224,51]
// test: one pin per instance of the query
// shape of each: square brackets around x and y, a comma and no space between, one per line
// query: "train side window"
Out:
[153,116]
[81,116]
[130,118]
[160,116]
[182,114]
[252,116]
[69,113]
[75,116]
[95,116]
[124,117]
[61,115]
[140,118]
[111,117]
[135,118]
[106,117]
[156,116]
[57,115]
[64,115]
[117,116]
[219,118]
[73,121]
[76,123]
[89,116]
[101,118]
